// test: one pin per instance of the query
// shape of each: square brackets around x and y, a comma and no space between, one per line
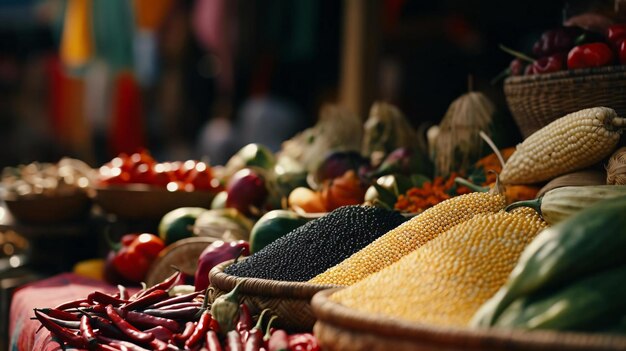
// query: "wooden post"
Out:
[359,76]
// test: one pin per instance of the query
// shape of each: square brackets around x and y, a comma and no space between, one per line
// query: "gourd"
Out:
[561,203]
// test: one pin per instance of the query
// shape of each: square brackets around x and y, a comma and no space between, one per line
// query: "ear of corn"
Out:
[445,281]
[575,141]
[407,237]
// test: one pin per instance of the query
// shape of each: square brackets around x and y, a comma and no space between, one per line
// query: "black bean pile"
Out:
[318,245]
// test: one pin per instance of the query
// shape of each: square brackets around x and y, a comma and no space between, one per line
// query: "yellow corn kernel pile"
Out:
[573,142]
[445,281]
[412,234]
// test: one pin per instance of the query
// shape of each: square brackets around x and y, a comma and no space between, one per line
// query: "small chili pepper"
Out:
[590,55]
[255,337]
[616,33]
[233,343]
[203,326]
[177,299]
[147,321]
[127,328]
[86,330]
[279,341]
[164,285]
[105,327]
[160,345]
[122,343]
[60,314]
[64,323]
[556,40]
[70,304]
[245,319]
[64,334]
[303,342]
[212,341]
[181,305]
[268,331]
[146,300]
[183,313]
[104,347]
[549,64]
[104,299]
[160,333]
[189,328]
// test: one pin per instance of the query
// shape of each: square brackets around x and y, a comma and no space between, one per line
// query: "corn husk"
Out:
[387,129]
[458,143]
[584,177]
[616,168]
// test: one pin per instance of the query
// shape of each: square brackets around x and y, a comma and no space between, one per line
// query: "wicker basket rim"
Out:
[332,313]
[263,287]
[605,73]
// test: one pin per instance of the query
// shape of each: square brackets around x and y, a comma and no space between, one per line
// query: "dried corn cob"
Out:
[412,234]
[573,142]
[445,281]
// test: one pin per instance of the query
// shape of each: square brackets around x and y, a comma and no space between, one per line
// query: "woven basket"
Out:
[537,100]
[341,328]
[290,301]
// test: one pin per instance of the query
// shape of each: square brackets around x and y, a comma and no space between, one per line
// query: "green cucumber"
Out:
[586,304]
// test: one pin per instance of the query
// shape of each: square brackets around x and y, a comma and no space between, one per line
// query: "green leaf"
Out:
[386,196]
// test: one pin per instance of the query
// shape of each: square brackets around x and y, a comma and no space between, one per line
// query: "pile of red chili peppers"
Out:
[151,319]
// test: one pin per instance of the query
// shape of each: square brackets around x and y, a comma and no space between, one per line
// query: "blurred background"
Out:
[201,78]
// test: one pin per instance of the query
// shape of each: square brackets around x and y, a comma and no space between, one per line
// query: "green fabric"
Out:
[113,26]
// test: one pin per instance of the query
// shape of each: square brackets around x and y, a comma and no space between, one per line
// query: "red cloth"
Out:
[45,293]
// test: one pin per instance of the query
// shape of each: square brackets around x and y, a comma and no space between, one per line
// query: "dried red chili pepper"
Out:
[146,300]
[203,326]
[64,334]
[233,342]
[70,304]
[64,323]
[164,285]
[590,55]
[122,343]
[104,299]
[86,330]
[255,337]
[147,321]
[181,305]
[183,313]
[60,314]
[127,328]
[279,341]
[160,333]
[186,334]
[177,299]
[212,341]
[245,319]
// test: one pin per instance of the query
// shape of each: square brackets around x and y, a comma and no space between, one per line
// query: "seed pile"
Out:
[318,245]
[402,240]
[445,281]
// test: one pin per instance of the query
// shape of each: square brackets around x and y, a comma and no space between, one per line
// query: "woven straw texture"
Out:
[290,301]
[537,100]
[339,328]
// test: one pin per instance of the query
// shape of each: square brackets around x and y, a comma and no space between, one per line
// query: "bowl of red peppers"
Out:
[136,186]
[569,69]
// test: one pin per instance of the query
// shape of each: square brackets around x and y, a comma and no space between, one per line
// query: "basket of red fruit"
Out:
[138,187]
[570,69]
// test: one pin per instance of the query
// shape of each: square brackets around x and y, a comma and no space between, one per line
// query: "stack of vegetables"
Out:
[469,261]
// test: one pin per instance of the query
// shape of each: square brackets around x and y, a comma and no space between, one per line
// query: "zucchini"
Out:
[560,203]
[588,242]
[588,304]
